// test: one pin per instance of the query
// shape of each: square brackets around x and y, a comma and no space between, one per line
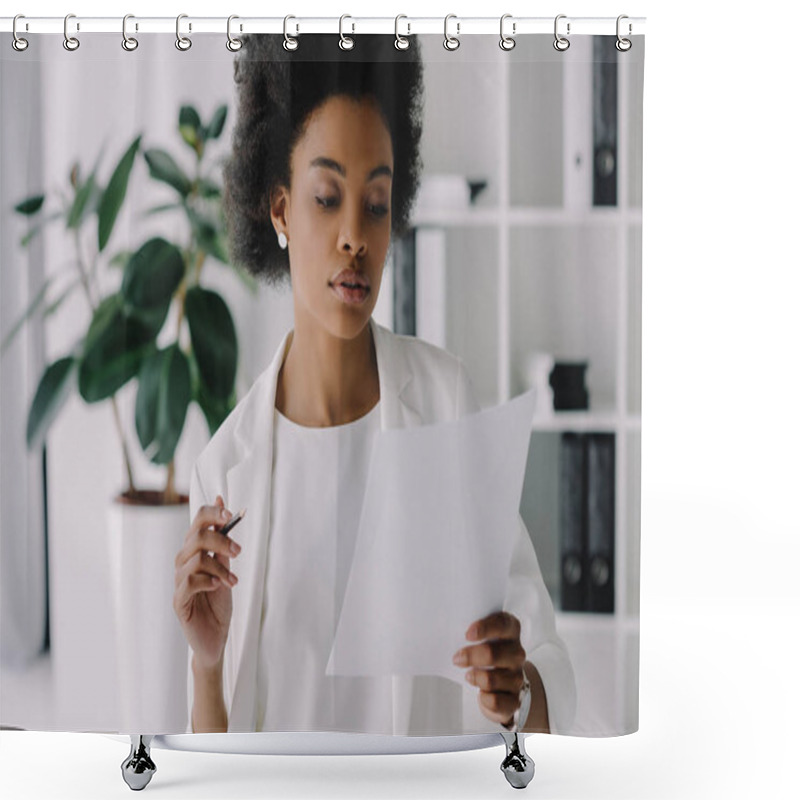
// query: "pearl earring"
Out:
[282,240]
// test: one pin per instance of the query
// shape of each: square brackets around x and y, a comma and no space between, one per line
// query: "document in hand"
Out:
[438,525]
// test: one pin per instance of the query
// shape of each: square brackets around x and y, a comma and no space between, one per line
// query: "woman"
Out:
[324,170]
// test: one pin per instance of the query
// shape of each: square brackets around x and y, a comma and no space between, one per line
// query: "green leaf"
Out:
[51,394]
[76,212]
[217,122]
[189,125]
[161,208]
[163,168]
[207,188]
[31,205]
[101,319]
[213,340]
[153,319]
[214,409]
[152,275]
[161,402]
[29,311]
[208,235]
[113,350]
[114,195]
[120,259]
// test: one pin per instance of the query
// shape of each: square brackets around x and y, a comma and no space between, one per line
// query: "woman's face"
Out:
[337,216]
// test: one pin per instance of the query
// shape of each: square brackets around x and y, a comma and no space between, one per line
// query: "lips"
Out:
[351,279]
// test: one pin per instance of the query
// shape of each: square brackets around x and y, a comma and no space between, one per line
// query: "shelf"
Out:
[521,215]
[577,621]
[585,421]
[447,217]
[524,216]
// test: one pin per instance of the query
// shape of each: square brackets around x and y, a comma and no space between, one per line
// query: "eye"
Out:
[326,202]
[379,211]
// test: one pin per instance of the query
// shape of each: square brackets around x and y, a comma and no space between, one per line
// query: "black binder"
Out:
[600,522]
[572,521]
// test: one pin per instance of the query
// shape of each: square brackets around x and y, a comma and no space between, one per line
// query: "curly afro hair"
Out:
[277,91]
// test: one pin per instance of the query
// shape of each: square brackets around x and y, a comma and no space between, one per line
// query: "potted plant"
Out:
[127,338]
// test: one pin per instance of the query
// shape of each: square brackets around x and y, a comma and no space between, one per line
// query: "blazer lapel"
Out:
[395,377]
[249,484]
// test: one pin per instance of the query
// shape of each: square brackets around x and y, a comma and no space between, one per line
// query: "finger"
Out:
[202,534]
[203,563]
[220,544]
[500,705]
[499,679]
[191,584]
[215,544]
[492,653]
[200,582]
[500,625]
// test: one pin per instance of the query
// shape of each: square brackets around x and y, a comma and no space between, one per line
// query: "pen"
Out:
[227,527]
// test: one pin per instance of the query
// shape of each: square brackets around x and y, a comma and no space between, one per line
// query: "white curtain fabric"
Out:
[23,590]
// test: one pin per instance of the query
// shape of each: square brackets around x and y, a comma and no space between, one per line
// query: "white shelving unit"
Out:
[532,266]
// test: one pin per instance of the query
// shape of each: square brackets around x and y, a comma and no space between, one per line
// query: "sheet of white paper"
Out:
[438,526]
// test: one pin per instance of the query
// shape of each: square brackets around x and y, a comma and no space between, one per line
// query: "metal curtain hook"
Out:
[182,42]
[289,43]
[128,42]
[18,43]
[70,42]
[345,42]
[561,43]
[623,45]
[451,42]
[400,42]
[507,42]
[233,44]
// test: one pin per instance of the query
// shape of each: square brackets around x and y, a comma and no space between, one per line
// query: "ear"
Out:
[278,210]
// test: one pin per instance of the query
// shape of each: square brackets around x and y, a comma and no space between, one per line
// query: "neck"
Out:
[326,380]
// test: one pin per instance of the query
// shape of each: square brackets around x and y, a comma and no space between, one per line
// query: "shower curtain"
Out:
[382,299]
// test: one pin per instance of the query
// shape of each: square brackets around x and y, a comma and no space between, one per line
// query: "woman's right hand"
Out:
[203,599]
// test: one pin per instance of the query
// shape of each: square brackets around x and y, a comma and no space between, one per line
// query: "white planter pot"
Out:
[152,652]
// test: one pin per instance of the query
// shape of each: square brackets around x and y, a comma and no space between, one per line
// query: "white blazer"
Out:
[419,384]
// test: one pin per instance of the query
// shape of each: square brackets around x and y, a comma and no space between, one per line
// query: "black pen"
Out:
[226,528]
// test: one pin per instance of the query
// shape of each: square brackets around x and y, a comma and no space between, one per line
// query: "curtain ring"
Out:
[346,42]
[289,42]
[623,45]
[400,42]
[182,42]
[18,43]
[232,44]
[561,43]
[507,42]
[451,42]
[70,42]
[128,42]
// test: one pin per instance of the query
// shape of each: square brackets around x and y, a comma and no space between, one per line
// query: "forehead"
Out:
[348,130]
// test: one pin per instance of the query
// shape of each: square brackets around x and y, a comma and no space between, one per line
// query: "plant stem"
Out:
[170,495]
[118,421]
[131,488]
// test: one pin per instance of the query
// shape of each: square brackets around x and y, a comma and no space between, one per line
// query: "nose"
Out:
[351,234]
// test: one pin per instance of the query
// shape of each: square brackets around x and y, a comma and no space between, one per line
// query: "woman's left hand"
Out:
[495,665]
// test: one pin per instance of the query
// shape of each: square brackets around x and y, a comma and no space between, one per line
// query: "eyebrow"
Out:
[324,161]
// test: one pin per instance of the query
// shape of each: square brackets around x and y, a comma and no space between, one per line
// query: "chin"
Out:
[350,325]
